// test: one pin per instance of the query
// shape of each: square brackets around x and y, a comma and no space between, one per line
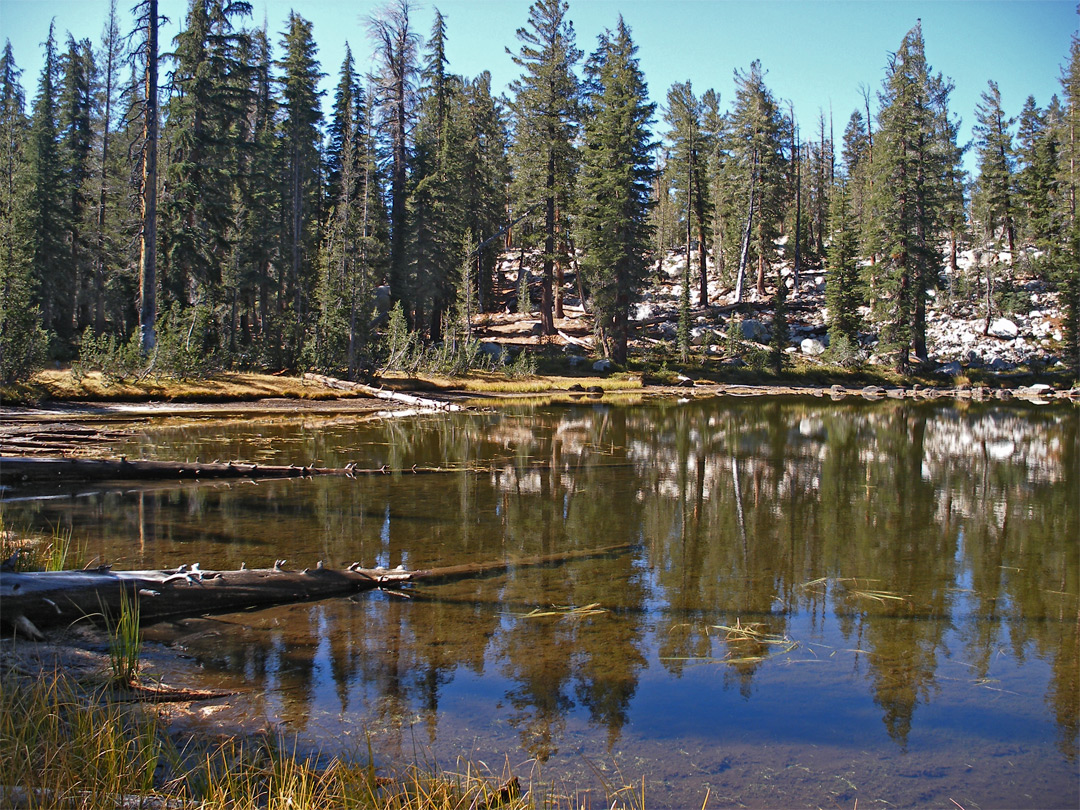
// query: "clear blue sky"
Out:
[816,53]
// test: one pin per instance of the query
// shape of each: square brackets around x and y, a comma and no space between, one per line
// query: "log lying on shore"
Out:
[35,600]
[427,403]
[19,469]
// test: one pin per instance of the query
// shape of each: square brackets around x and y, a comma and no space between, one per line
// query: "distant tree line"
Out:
[189,204]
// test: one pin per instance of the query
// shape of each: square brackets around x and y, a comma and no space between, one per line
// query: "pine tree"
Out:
[857,168]
[487,174]
[908,167]
[76,140]
[14,129]
[1068,285]
[396,72]
[614,185]
[23,342]
[1036,181]
[1069,171]
[953,179]
[203,126]
[843,286]
[435,210]
[689,151]
[758,137]
[302,139]
[107,234]
[1068,271]
[45,221]
[546,121]
[258,216]
[996,165]
[722,192]
[351,250]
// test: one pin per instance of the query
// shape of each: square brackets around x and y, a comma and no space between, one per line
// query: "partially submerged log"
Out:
[426,403]
[17,469]
[36,600]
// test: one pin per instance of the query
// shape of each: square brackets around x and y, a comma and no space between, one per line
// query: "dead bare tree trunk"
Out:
[148,196]
[744,254]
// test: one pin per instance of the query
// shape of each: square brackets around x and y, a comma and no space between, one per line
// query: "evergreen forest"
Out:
[197,205]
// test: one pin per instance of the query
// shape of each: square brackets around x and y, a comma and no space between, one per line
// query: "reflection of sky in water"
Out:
[928,577]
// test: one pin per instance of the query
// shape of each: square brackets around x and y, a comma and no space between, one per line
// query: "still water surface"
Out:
[823,602]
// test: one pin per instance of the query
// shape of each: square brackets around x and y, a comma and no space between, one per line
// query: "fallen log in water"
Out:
[426,403]
[18,469]
[34,600]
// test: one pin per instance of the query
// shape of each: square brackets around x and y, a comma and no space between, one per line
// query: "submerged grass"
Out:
[564,612]
[859,589]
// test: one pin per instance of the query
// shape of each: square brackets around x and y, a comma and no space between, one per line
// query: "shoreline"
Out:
[85,428]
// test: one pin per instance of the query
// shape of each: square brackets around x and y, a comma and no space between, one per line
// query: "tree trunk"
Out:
[744,254]
[796,149]
[547,303]
[148,197]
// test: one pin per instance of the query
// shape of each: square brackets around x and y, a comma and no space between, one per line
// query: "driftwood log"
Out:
[426,403]
[35,600]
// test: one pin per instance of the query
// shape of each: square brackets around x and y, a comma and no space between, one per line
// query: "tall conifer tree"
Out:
[614,185]
[302,140]
[545,107]
[689,152]
[395,74]
[75,110]
[993,140]
[908,200]
[23,341]
[758,137]
[45,220]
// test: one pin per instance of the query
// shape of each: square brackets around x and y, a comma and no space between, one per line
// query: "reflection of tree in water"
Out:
[970,515]
[557,507]
[724,554]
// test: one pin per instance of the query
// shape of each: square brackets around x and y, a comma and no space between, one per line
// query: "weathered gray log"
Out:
[35,600]
[17,469]
[381,393]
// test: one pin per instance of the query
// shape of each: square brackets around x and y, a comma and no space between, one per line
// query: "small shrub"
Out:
[402,348]
[522,366]
[843,351]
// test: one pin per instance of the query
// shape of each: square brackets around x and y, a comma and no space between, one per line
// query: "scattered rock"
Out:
[602,365]
[1004,328]
[755,331]
[493,350]
[950,369]
[812,347]
[701,335]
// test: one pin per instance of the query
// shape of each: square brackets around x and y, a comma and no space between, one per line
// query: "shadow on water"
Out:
[824,602]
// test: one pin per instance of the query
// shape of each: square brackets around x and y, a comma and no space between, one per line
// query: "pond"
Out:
[821,603]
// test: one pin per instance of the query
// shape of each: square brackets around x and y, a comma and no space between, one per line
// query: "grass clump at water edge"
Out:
[65,742]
